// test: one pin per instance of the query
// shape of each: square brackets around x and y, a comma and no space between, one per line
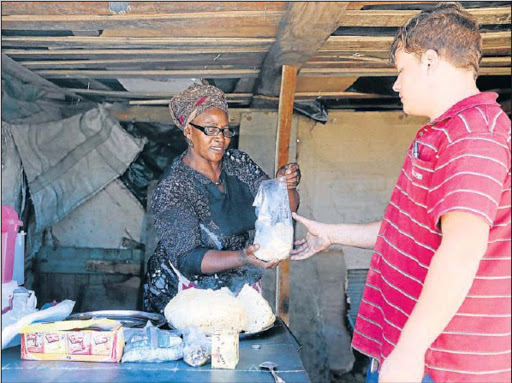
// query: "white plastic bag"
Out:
[197,347]
[151,345]
[274,226]
[24,313]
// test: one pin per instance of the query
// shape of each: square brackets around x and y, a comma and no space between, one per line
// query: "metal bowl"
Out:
[129,318]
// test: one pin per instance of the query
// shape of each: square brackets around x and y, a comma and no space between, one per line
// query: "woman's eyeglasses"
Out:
[214,131]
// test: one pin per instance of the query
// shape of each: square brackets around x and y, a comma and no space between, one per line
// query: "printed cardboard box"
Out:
[92,340]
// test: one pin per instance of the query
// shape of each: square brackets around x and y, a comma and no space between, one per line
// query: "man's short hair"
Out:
[446,28]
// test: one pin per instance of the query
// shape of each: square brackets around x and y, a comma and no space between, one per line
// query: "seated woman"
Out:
[202,206]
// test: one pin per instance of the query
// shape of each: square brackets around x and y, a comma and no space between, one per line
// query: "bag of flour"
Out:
[274,226]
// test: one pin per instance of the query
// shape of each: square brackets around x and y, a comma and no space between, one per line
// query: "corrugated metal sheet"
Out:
[356,279]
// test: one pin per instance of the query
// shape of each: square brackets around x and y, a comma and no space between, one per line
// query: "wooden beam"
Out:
[114,74]
[135,42]
[303,30]
[19,71]
[169,54]
[135,8]
[218,23]
[161,114]
[397,18]
[166,101]
[360,4]
[372,62]
[163,98]
[143,62]
[284,128]
[373,72]
[355,44]
[146,95]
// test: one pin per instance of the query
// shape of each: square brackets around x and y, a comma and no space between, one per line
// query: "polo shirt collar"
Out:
[482,98]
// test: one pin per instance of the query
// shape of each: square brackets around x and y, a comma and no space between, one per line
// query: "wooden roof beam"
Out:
[19,71]
[302,31]
[397,18]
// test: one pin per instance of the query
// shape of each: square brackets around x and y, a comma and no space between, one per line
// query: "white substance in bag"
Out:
[274,226]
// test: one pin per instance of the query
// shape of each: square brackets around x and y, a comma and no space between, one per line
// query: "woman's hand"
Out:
[247,257]
[292,173]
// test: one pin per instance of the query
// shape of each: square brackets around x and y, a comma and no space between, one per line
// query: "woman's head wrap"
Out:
[195,100]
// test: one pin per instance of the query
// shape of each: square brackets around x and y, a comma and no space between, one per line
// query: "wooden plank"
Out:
[76,260]
[166,101]
[112,267]
[136,7]
[341,95]
[123,94]
[302,32]
[169,54]
[235,28]
[234,73]
[114,74]
[232,97]
[134,42]
[19,71]
[185,24]
[161,63]
[161,114]
[360,4]
[372,72]
[384,63]
[397,18]
[346,64]
[354,44]
[284,128]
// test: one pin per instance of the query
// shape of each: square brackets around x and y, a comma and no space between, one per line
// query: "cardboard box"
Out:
[92,340]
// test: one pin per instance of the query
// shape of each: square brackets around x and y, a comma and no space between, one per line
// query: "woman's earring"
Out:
[189,142]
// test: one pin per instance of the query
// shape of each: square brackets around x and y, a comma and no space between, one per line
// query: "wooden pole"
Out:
[284,127]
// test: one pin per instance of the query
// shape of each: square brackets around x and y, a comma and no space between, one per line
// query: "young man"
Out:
[437,299]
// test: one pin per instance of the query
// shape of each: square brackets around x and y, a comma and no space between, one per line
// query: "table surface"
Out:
[277,345]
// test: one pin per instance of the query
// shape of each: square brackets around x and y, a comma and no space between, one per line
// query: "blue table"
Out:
[277,344]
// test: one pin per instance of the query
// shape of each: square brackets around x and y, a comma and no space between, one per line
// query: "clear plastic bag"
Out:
[274,226]
[197,347]
[151,344]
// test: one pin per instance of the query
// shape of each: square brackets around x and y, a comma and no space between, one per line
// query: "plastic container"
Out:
[18,273]
[10,224]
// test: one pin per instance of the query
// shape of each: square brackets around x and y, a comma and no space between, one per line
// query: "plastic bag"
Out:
[24,313]
[151,344]
[274,226]
[197,347]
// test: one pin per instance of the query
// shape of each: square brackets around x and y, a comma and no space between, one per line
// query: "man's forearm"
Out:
[356,235]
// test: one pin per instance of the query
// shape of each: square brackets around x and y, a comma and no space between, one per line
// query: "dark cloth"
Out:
[192,216]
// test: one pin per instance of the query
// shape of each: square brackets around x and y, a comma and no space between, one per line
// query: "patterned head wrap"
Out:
[193,101]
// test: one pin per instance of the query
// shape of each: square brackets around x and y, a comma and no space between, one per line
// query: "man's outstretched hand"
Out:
[316,239]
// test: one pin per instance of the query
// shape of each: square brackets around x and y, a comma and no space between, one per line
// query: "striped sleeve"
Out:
[469,176]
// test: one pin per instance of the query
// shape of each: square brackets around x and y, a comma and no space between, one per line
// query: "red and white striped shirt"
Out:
[459,162]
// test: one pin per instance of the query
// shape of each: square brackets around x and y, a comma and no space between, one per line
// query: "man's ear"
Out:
[430,59]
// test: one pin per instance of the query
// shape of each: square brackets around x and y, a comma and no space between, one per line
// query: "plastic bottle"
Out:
[10,224]
[18,273]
